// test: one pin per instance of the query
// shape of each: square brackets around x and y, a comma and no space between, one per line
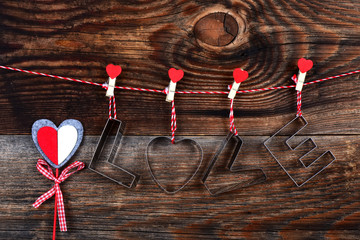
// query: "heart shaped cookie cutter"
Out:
[194,143]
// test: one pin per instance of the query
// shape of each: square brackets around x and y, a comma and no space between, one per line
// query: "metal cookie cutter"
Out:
[165,141]
[230,167]
[105,153]
[281,146]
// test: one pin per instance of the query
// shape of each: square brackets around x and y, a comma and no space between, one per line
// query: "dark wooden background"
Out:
[79,38]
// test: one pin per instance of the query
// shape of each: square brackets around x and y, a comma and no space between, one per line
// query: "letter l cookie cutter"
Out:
[229,167]
[118,126]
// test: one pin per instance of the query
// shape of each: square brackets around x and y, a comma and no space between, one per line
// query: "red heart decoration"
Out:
[57,144]
[113,70]
[240,75]
[175,75]
[48,141]
[305,65]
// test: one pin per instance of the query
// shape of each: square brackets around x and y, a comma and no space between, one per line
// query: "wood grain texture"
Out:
[79,38]
[326,208]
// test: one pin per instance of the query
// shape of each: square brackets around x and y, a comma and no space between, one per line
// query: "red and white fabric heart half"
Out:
[57,144]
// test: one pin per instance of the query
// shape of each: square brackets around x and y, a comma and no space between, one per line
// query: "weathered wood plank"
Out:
[79,38]
[326,207]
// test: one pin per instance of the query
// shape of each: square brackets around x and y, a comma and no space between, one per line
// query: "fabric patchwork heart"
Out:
[57,144]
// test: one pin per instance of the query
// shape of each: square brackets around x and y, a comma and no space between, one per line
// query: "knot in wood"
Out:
[216,29]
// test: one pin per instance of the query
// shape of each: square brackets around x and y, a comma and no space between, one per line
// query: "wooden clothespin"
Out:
[304,66]
[113,71]
[175,76]
[239,76]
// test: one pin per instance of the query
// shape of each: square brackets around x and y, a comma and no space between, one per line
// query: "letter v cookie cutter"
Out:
[129,179]
[229,166]
[287,142]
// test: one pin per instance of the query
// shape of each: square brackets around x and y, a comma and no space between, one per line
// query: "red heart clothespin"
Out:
[304,66]
[175,76]
[113,71]
[239,76]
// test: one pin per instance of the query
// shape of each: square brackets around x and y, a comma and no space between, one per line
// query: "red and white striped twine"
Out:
[298,104]
[231,118]
[112,105]
[298,98]
[49,75]
[141,89]
[173,115]
[181,92]
[173,122]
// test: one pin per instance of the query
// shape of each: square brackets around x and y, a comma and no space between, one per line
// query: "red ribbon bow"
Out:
[41,164]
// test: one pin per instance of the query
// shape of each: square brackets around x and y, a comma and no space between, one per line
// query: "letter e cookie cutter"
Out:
[271,147]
